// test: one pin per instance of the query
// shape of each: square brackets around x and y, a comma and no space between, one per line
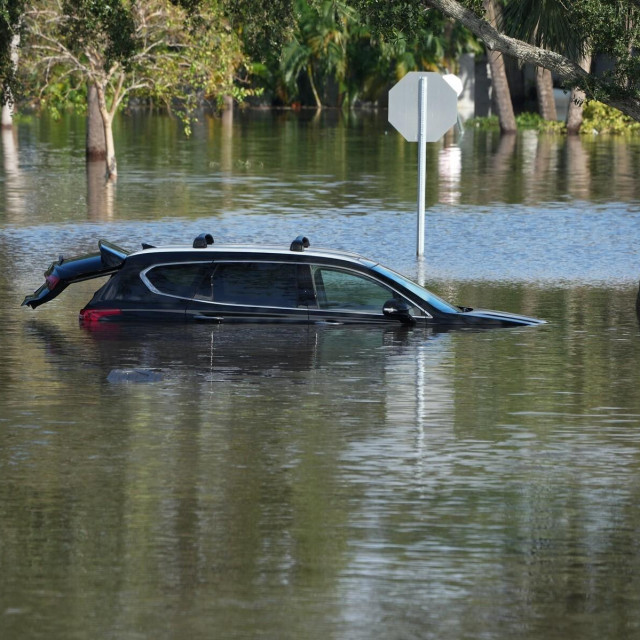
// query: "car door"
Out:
[345,296]
[252,291]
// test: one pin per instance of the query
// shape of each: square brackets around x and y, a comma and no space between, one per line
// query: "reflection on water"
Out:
[325,482]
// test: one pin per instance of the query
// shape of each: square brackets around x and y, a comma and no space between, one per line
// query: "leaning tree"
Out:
[611,27]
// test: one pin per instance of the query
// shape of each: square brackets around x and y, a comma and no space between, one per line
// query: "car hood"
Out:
[485,316]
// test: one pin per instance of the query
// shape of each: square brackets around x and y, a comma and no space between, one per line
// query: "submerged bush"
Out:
[600,118]
[531,121]
[483,123]
[535,121]
[597,118]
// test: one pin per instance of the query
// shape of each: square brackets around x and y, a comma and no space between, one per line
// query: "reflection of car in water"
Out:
[210,283]
[226,352]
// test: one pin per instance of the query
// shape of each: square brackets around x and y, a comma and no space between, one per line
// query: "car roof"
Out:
[249,249]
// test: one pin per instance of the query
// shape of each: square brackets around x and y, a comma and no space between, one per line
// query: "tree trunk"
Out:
[501,93]
[546,100]
[227,110]
[316,97]
[576,103]
[96,146]
[107,123]
[7,116]
[112,167]
[7,107]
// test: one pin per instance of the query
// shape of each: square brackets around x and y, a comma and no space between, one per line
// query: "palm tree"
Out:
[574,113]
[547,24]
[332,43]
[501,93]
[319,46]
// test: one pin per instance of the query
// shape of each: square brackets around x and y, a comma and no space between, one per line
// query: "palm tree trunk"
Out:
[574,113]
[501,92]
[313,87]
[546,100]
[7,107]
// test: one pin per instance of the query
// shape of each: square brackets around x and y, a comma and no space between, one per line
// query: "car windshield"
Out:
[431,298]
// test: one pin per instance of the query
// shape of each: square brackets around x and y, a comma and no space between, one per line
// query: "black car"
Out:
[240,283]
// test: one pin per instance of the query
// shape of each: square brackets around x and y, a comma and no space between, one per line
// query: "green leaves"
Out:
[363,46]
[151,49]
[110,23]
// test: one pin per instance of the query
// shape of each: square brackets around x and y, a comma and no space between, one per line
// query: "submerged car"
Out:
[206,282]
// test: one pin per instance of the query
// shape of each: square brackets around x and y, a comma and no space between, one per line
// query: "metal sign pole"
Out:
[422,161]
[409,107]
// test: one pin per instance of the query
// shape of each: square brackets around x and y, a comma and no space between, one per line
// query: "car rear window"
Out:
[179,280]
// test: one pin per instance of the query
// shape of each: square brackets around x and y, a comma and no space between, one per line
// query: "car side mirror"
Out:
[398,310]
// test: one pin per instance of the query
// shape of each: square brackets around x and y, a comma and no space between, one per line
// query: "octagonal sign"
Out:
[441,107]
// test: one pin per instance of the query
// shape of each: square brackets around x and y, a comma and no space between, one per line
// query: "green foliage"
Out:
[600,118]
[535,121]
[264,26]
[525,121]
[61,97]
[610,27]
[112,23]
[355,48]
[547,24]
[319,46]
[483,123]
[597,118]
[333,43]
[149,49]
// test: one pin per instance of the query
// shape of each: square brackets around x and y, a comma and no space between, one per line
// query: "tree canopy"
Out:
[545,33]
[610,27]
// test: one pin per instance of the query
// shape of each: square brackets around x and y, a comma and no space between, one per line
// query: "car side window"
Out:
[179,280]
[338,289]
[264,284]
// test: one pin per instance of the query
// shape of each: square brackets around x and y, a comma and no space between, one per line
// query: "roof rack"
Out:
[299,244]
[203,241]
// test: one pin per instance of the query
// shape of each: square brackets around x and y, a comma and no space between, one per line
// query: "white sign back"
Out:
[441,108]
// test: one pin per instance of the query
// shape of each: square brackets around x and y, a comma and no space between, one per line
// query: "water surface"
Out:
[325,482]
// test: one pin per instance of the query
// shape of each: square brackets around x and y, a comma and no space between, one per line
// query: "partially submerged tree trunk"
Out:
[96,146]
[107,122]
[7,116]
[316,97]
[501,93]
[7,106]
[546,100]
[576,103]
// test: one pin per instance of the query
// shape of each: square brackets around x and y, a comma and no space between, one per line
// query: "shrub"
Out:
[600,118]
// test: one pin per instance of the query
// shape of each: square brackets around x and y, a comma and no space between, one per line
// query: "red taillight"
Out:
[96,315]
[52,282]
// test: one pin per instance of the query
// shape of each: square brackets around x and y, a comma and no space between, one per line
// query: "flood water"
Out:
[325,482]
